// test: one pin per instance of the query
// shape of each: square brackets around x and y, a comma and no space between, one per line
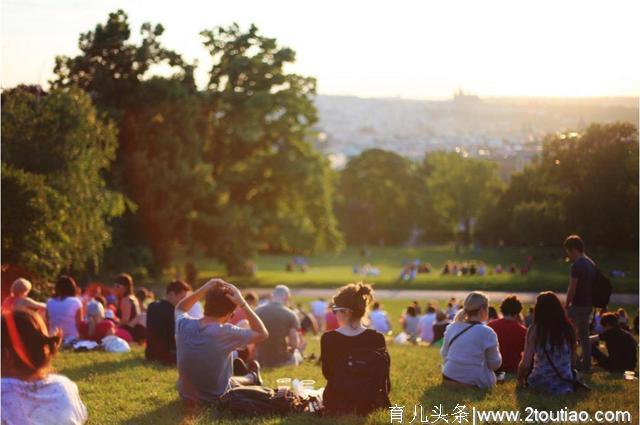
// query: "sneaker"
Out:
[254,367]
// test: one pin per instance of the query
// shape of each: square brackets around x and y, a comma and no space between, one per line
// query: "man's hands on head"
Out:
[231,291]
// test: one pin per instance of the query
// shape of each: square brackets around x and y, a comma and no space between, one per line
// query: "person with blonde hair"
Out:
[354,359]
[470,349]
[96,326]
[19,298]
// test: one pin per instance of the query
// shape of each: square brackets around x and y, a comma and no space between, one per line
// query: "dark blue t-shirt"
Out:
[583,269]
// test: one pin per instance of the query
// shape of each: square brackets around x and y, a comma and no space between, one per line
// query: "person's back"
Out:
[547,360]
[584,270]
[279,321]
[411,325]
[53,400]
[425,326]
[355,361]
[473,356]
[62,313]
[511,337]
[160,332]
[379,321]
[621,347]
[511,333]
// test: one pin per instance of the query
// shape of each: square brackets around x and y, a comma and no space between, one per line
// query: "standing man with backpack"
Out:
[579,300]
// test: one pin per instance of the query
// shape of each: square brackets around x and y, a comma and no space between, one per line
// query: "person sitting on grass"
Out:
[96,326]
[470,349]
[160,331]
[354,359]
[621,346]
[379,319]
[19,298]
[549,348]
[409,322]
[283,326]
[439,327]
[425,326]
[204,346]
[64,309]
[31,394]
[511,334]
[128,305]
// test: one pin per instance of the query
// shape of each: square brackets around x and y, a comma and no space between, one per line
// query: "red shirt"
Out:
[511,337]
[102,329]
[330,321]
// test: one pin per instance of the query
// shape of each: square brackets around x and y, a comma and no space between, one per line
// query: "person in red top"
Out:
[511,333]
[330,321]
[96,326]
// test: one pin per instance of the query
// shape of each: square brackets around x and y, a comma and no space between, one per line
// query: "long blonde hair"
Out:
[472,304]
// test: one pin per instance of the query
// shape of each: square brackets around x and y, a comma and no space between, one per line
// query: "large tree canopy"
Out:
[379,194]
[56,207]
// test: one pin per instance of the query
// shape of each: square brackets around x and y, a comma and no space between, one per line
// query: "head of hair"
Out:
[126,281]
[177,287]
[552,324]
[216,303]
[411,311]
[20,286]
[574,242]
[29,332]
[102,300]
[511,306]
[622,312]
[474,302]
[65,287]
[280,293]
[95,315]
[493,313]
[356,297]
[251,297]
[609,319]
[441,316]
[142,294]
[375,306]
[430,308]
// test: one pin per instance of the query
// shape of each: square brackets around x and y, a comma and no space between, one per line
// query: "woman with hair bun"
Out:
[354,359]
[470,349]
[30,393]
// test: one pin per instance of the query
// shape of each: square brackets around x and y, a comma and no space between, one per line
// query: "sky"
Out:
[423,49]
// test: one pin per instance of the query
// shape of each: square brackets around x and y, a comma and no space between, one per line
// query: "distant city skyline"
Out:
[406,49]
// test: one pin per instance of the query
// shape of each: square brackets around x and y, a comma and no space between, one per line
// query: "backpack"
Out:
[256,400]
[360,383]
[601,291]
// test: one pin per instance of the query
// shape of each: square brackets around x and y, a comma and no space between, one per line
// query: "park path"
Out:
[429,294]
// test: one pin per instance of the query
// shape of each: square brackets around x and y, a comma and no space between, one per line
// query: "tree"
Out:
[56,208]
[378,192]
[271,186]
[459,190]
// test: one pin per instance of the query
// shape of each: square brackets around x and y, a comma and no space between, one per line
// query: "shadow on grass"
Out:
[447,397]
[174,412]
[536,399]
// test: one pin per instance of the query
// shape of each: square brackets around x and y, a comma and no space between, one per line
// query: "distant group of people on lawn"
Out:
[219,339]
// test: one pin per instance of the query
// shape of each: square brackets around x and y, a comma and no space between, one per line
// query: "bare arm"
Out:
[125,309]
[571,291]
[187,302]
[527,357]
[33,305]
[79,316]
[293,339]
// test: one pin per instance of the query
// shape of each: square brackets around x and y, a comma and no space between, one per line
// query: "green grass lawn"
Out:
[550,271]
[124,389]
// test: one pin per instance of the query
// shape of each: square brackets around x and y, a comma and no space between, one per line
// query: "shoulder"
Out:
[485,329]
[61,382]
[375,337]
[495,323]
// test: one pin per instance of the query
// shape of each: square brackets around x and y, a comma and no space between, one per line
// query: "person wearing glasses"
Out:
[354,359]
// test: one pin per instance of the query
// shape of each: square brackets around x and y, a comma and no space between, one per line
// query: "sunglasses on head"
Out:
[336,309]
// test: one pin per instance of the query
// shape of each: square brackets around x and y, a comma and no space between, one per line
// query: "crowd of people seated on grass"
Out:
[219,339]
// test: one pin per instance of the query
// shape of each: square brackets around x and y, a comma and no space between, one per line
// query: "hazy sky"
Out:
[413,49]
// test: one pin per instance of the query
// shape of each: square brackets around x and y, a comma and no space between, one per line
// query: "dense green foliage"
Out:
[582,183]
[56,207]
